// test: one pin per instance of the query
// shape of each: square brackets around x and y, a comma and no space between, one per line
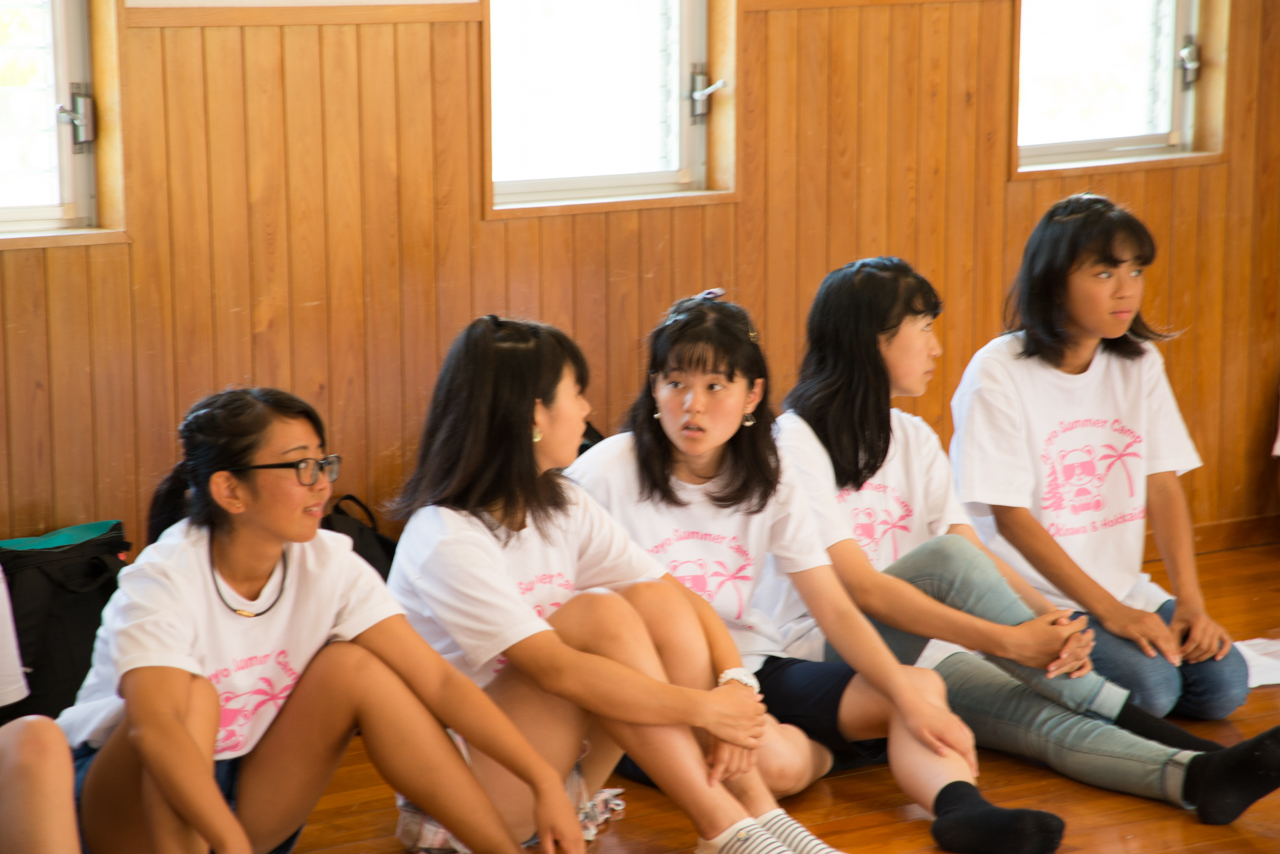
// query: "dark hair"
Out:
[700,334]
[843,391]
[477,444]
[221,432]
[1076,230]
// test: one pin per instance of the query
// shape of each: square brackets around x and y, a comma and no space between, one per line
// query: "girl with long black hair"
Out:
[245,647]
[496,568]
[697,482]
[880,485]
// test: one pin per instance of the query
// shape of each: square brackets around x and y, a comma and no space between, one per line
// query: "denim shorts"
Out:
[225,771]
[806,694]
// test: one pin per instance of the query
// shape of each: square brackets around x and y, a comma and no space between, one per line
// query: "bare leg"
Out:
[866,713]
[37,807]
[787,761]
[120,808]
[605,624]
[343,688]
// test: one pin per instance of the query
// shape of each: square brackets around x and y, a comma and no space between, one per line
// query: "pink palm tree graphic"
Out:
[1113,456]
[890,524]
[731,578]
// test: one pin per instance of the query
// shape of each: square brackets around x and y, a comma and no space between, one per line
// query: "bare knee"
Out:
[929,683]
[785,761]
[33,744]
[598,622]
[657,597]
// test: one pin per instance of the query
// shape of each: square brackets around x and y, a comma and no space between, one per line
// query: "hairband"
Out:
[709,295]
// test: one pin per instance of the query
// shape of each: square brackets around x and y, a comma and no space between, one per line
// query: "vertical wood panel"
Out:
[229,206]
[304,149]
[268,206]
[777,319]
[1264,347]
[71,409]
[147,213]
[688,252]
[1208,329]
[873,132]
[1184,264]
[660,263]
[189,213]
[114,426]
[995,42]
[842,174]
[26,339]
[488,238]
[719,223]
[452,184]
[1157,214]
[419,327]
[931,191]
[379,180]
[340,68]
[904,90]
[590,287]
[812,161]
[523,267]
[557,272]
[749,239]
[622,313]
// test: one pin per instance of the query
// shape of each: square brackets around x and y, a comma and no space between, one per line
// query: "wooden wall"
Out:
[303,205]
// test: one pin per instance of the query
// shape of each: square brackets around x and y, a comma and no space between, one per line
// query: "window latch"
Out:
[1189,61]
[80,117]
[701,92]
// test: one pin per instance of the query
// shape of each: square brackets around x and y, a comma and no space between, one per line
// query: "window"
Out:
[1100,80]
[592,100]
[46,176]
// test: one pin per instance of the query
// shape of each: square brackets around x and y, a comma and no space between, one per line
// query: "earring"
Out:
[748,419]
[537,435]
[656,416]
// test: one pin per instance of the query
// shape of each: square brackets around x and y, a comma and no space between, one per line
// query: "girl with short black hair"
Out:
[245,647]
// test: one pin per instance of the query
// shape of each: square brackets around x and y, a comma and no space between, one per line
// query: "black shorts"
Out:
[806,694]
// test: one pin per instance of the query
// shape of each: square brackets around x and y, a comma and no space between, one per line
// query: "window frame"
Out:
[715,169]
[77,179]
[1198,120]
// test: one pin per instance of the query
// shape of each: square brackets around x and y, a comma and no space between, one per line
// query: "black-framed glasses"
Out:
[307,469]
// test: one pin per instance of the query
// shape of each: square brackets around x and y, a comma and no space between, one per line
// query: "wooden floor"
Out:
[864,810]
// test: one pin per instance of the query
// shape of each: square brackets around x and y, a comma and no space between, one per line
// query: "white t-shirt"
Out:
[167,613]
[13,681]
[473,591]
[1076,451]
[906,503]
[717,552]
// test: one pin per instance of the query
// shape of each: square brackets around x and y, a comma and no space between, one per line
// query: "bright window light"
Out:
[1095,69]
[585,87]
[29,171]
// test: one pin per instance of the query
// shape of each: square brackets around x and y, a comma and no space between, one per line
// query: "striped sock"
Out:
[745,837]
[792,833]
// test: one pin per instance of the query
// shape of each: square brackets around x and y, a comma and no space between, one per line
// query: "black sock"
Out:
[1224,784]
[1141,722]
[967,823]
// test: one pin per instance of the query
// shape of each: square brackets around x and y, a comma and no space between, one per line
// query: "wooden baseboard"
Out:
[1231,534]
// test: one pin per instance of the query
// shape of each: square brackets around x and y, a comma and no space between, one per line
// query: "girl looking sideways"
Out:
[245,647]
[879,482]
[697,483]
[1068,441]
[496,568]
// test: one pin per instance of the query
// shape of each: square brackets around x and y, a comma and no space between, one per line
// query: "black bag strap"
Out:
[337,508]
[108,573]
[13,559]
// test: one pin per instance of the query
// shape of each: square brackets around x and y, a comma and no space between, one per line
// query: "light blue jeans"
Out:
[1210,690]
[1015,708]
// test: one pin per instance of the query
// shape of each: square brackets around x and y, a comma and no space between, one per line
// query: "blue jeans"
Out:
[1211,690]
[956,573]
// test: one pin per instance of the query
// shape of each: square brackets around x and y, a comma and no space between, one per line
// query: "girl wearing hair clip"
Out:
[245,647]
[698,484]
[522,581]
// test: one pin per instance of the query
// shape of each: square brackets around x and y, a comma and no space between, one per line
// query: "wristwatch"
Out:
[740,674]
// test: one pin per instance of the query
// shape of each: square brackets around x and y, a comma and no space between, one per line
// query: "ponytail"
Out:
[169,504]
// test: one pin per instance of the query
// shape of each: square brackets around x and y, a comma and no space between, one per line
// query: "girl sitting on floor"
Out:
[1068,441]
[697,483]
[245,647]
[880,486]
[496,568]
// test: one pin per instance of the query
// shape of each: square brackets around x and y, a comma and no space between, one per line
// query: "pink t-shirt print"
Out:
[239,708]
[1085,462]
[877,512]
[708,577]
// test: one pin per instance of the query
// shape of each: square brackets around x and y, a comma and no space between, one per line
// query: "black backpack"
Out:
[377,548]
[58,585]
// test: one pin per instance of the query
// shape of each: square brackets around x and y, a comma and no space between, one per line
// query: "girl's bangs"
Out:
[919,297]
[1119,228]
[698,355]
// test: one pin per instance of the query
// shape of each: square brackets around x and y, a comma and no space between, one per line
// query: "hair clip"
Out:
[711,294]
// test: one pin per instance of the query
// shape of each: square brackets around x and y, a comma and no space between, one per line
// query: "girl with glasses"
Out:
[245,647]
[698,484]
